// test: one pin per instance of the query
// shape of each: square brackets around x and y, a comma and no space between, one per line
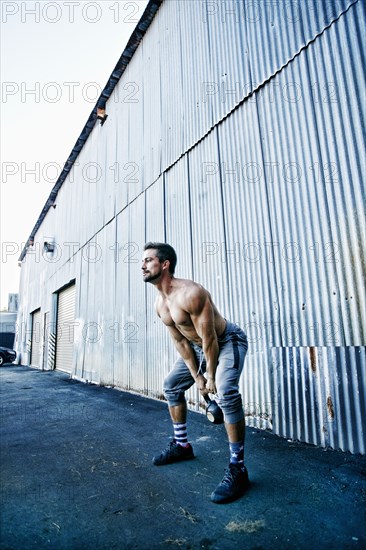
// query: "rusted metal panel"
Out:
[319,395]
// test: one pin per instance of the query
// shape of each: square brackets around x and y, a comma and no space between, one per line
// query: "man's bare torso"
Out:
[173,309]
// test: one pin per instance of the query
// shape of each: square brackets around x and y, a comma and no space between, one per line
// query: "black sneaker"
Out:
[233,485]
[174,453]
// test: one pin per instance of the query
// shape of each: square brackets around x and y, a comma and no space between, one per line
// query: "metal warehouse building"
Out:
[235,131]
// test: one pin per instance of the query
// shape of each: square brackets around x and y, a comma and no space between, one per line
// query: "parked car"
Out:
[7,355]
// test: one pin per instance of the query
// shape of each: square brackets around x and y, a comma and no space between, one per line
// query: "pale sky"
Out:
[56,58]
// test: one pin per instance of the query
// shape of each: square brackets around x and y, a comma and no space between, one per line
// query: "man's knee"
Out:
[174,398]
[173,394]
[232,406]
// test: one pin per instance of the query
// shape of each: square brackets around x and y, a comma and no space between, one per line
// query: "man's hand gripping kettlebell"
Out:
[213,412]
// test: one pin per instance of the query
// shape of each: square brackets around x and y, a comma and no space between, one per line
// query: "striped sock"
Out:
[237,453]
[180,434]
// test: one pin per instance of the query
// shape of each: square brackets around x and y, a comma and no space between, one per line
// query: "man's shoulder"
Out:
[190,287]
[191,295]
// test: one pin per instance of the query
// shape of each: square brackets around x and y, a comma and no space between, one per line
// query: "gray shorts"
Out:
[233,345]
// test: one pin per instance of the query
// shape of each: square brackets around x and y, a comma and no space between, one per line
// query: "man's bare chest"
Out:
[173,314]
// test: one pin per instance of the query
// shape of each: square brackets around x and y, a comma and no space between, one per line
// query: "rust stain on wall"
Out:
[330,407]
[312,353]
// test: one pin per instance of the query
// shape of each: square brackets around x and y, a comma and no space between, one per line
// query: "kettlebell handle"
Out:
[207,399]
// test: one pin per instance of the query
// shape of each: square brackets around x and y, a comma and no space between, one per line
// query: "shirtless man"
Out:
[207,344]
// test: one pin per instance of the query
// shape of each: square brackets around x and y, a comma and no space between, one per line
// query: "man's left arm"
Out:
[202,316]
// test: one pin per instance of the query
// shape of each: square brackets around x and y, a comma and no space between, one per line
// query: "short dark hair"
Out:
[164,252]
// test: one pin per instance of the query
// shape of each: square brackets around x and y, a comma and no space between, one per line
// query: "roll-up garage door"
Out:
[65,329]
[36,339]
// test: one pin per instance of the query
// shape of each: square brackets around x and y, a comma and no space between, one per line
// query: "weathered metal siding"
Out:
[133,85]
[123,168]
[236,134]
[247,250]
[229,57]
[121,313]
[178,215]
[319,395]
[342,115]
[207,223]
[195,66]
[310,176]
[171,82]
[179,232]
[277,31]
[135,329]
[304,262]
[150,97]
[158,346]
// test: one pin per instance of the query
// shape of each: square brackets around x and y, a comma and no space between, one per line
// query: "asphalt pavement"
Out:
[77,473]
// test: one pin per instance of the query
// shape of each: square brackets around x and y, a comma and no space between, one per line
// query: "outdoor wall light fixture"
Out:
[101,115]
[48,244]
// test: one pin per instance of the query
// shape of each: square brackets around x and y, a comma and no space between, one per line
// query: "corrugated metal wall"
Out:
[236,134]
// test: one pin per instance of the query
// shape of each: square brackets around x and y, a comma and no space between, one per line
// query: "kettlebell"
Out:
[213,412]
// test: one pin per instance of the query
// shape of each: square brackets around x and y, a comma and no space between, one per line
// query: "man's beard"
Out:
[151,278]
